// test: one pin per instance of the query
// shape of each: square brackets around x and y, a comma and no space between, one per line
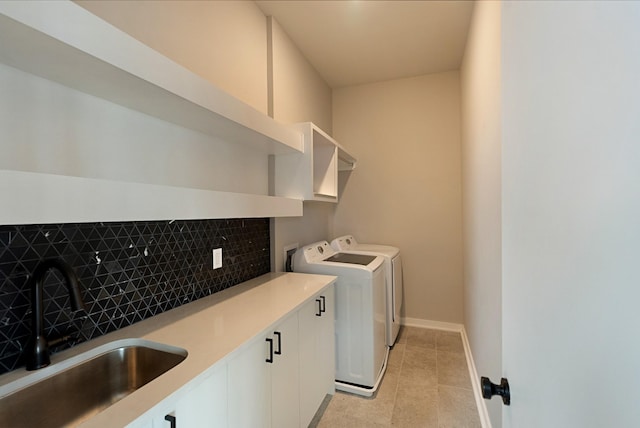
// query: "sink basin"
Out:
[94,381]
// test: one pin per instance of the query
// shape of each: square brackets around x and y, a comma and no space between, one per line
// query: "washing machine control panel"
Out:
[317,251]
[344,243]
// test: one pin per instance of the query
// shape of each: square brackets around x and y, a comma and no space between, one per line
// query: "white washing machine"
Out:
[361,351]
[393,268]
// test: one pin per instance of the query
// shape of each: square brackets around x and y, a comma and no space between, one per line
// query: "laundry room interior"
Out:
[444,145]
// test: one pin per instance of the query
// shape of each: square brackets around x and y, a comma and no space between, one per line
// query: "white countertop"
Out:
[211,329]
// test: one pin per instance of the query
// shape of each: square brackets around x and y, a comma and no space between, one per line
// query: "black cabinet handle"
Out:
[490,389]
[319,313]
[172,420]
[323,307]
[270,359]
[279,351]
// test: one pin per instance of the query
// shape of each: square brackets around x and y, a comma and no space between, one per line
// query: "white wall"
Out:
[299,94]
[230,44]
[482,201]
[406,189]
[46,127]
[222,41]
[571,213]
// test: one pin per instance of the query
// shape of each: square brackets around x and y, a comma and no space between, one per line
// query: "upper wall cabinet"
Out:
[312,175]
[65,43]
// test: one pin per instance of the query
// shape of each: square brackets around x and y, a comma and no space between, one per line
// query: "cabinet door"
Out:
[263,385]
[317,353]
[205,405]
[249,386]
[327,343]
[285,375]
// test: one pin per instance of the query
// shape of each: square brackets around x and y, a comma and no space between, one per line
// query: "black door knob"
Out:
[490,389]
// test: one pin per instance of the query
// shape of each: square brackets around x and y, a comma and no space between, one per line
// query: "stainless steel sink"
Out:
[94,382]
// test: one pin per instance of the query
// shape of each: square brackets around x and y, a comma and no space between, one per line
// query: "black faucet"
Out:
[37,352]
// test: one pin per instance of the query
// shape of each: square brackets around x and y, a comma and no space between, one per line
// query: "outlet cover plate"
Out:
[217,258]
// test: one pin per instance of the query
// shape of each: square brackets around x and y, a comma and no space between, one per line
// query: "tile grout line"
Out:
[457,387]
[402,359]
[395,393]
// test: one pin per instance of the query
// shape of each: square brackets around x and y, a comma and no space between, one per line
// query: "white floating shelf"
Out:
[346,162]
[35,198]
[63,42]
[313,175]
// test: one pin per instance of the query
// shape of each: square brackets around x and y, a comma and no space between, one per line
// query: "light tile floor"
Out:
[426,385]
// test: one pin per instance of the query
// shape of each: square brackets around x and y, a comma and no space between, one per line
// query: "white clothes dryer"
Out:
[393,268]
[361,351]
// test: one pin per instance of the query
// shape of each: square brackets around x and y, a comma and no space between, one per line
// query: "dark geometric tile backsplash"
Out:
[128,271]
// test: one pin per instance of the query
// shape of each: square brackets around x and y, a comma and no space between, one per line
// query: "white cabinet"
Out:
[277,379]
[312,175]
[263,380]
[317,353]
[281,379]
[205,403]
[249,388]
[202,404]
[285,374]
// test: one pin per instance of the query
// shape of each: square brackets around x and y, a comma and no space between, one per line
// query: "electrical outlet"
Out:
[217,258]
[289,251]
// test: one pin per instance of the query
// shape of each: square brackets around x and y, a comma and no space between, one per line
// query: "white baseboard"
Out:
[481,403]
[436,325]
[473,374]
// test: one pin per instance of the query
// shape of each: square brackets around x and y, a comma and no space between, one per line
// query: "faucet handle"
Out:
[67,338]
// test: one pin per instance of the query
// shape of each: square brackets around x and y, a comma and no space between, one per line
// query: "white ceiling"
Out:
[353,42]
